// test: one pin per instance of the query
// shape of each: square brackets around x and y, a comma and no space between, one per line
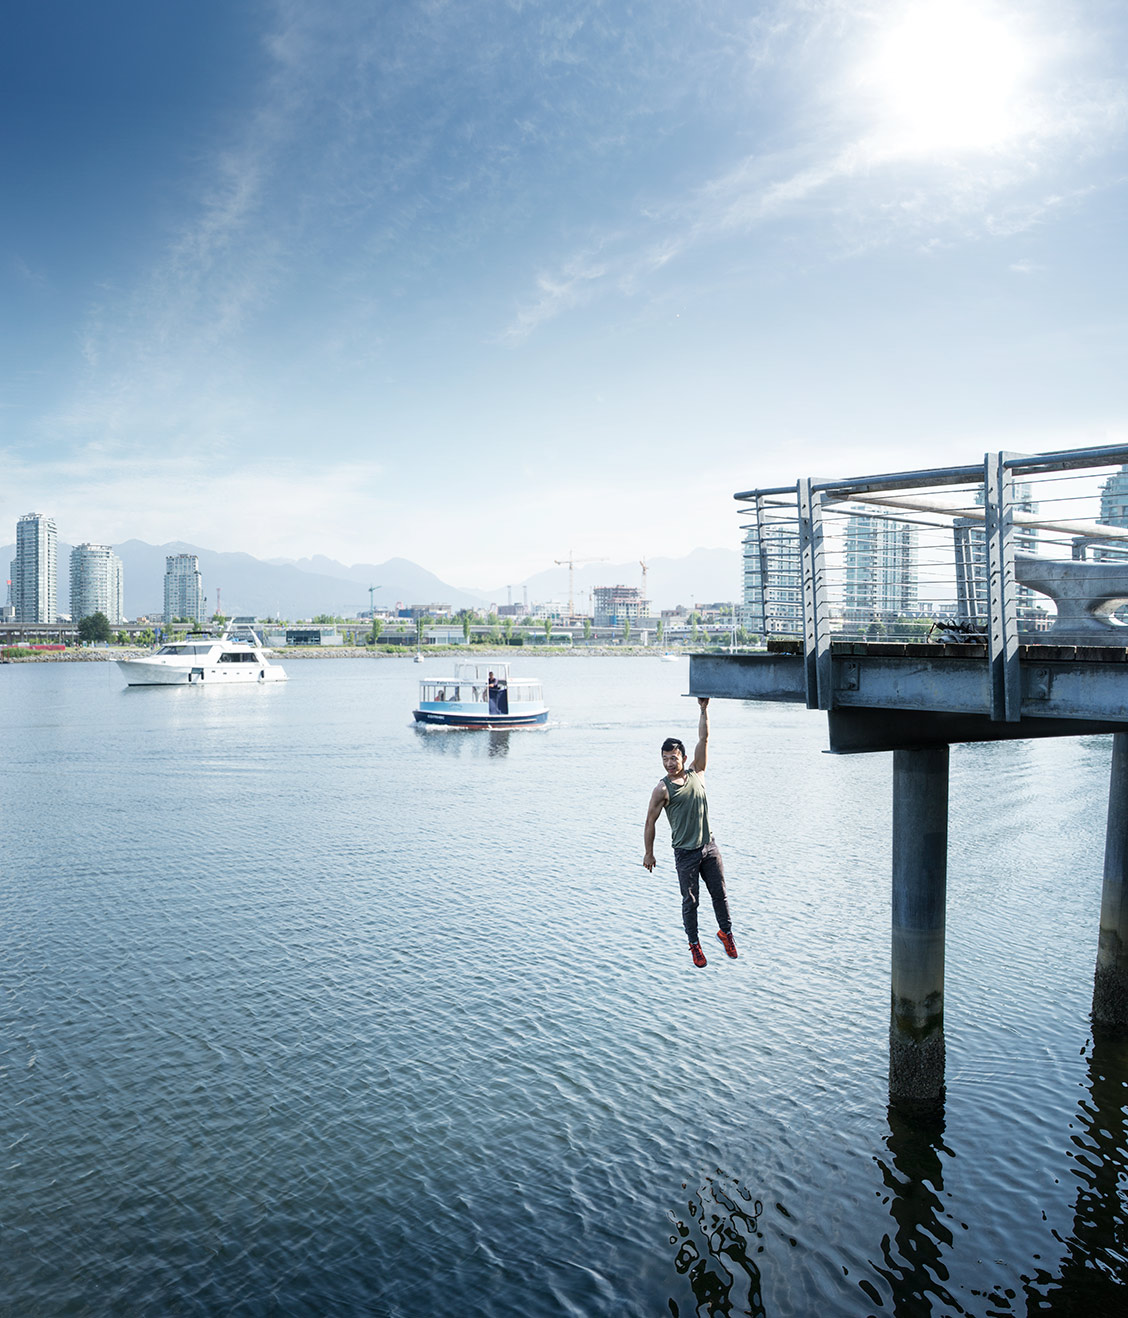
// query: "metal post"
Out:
[1110,987]
[1006,677]
[967,587]
[756,554]
[920,868]
[816,624]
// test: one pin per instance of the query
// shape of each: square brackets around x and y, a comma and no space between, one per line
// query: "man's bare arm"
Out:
[658,798]
[701,753]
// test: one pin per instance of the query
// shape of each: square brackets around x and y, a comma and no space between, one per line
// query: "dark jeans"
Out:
[702,863]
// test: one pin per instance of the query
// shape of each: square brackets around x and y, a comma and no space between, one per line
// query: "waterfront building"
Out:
[1114,499]
[96,583]
[773,583]
[35,569]
[881,569]
[615,605]
[183,588]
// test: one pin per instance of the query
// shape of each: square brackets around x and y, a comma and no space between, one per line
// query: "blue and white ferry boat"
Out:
[481,695]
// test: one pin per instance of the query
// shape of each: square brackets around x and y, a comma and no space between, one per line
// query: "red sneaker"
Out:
[697,954]
[727,943]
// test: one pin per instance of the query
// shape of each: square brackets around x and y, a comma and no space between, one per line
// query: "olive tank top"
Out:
[688,813]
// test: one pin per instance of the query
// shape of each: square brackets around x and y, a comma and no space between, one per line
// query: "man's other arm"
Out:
[658,798]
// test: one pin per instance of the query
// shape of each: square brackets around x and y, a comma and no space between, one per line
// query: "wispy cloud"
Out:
[865,185]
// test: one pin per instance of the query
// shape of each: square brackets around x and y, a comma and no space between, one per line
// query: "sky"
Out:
[486,284]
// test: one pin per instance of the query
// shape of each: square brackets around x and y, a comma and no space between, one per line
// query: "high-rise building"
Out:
[619,604]
[35,569]
[1114,499]
[96,583]
[773,579]
[881,568]
[183,588]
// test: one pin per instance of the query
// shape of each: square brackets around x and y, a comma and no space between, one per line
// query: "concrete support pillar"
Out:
[920,876]
[1110,988]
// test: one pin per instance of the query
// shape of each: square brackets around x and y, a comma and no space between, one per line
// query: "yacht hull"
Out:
[138,672]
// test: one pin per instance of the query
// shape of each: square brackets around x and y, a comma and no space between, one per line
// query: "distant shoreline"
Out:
[511,653]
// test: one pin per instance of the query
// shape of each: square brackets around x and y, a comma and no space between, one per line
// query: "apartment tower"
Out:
[35,569]
[96,583]
[183,588]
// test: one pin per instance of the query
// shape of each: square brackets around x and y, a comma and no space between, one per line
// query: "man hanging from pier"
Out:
[681,793]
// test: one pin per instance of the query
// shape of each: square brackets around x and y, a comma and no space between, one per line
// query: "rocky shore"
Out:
[514,654]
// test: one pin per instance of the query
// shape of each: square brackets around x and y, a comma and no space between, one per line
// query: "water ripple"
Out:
[304,1011]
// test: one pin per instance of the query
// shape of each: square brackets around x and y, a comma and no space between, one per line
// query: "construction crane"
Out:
[642,564]
[571,563]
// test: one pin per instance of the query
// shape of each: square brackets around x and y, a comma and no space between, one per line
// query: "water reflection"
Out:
[912,1260]
[464,741]
[1092,1277]
[715,1245]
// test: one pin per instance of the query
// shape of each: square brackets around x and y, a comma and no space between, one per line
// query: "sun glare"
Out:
[946,77]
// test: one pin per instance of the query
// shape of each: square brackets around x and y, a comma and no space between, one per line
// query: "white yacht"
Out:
[211,660]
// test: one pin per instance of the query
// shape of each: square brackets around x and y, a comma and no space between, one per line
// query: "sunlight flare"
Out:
[947,77]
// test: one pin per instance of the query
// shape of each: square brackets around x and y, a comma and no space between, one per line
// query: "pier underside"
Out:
[916,700]
[888,696]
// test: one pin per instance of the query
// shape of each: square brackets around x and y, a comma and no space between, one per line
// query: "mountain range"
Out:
[302,588]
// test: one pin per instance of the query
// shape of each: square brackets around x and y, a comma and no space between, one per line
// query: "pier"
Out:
[1028,556]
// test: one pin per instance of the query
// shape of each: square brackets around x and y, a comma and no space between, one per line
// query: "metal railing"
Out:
[947,554]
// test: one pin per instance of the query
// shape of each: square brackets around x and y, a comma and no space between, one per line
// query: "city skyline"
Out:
[483,287]
[320,585]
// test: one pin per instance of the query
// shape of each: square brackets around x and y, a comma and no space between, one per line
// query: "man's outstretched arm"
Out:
[701,752]
[658,798]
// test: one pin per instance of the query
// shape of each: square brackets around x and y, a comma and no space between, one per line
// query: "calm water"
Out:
[305,1011]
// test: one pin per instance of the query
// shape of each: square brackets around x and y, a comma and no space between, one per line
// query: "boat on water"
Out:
[481,696]
[669,658]
[203,659]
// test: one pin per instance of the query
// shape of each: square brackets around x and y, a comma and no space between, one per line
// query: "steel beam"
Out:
[816,623]
[1003,616]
